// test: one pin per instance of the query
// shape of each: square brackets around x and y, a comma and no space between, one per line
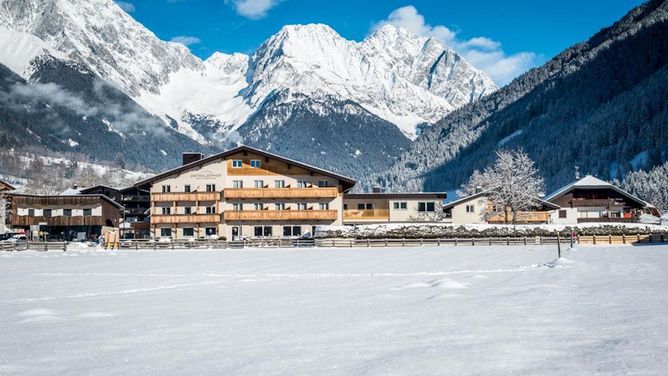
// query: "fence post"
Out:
[490,240]
[136,246]
[593,238]
[64,246]
[438,242]
[609,238]
[403,242]
[558,245]
[46,247]
[456,241]
[623,238]
[368,243]
[507,240]
[351,243]
[540,240]
[385,242]
[638,236]
[650,237]
[421,242]
[525,240]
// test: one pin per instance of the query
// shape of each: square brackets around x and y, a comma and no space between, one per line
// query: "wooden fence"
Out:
[354,243]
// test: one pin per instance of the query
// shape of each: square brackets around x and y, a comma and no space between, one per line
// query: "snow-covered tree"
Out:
[513,181]
[478,181]
[651,186]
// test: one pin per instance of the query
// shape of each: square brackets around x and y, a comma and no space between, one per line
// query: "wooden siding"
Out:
[185,196]
[24,220]
[366,214]
[269,166]
[269,193]
[185,218]
[110,212]
[281,215]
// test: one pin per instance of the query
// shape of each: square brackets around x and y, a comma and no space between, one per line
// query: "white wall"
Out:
[571,216]
[460,216]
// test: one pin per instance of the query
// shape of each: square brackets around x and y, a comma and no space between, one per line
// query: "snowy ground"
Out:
[461,311]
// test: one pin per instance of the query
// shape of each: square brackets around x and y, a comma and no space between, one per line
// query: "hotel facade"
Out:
[244,192]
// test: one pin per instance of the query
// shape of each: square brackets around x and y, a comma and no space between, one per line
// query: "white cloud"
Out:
[128,7]
[186,40]
[482,52]
[253,9]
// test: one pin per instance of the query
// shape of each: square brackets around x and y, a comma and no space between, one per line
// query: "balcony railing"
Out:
[185,218]
[270,193]
[366,214]
[186,196]
[522,217]
[595,203]
[609,220]
[281,215]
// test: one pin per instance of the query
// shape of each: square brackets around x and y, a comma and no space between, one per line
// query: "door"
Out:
[235,232]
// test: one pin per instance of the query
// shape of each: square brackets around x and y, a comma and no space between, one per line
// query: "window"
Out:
[237,206]
[279,183]
[369,206]
[279,206]
[31,212]
[210,231]
[324,205]
[345,206]
[211,209]
[167,232]
[301,206]
[562,214]
[67,212]
[237,184]
[470,208]
[255,163]
[87,212]
[257,231]
[188,232]
[46,213]
[267,231]
[360,206]
[236,163]
[292,230]
[166,189]
[323,183]
[426,207]
[210,187]
[166,210]
[258,206]
[186,188]
[302,184]
[431,207]
[258,183]
[187,210]
[400,206]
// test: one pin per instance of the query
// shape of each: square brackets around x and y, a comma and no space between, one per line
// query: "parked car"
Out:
[18,238]
[7,235]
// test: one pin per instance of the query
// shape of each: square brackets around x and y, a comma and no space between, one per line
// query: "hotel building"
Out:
[244,192]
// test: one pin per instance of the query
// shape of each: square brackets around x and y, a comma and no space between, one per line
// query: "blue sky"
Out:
[503,38]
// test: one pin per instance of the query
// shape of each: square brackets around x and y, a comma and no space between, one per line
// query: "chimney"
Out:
[377,190]
[75,186]
[190,157]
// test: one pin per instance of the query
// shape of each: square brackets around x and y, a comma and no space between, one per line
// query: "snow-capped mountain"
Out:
[401,78]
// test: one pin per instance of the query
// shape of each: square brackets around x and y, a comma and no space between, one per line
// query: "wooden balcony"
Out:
[366,214]
[271,193]
[185,218]
[522,217]
[595,203]
[24,220]
[281,215]
[185,196]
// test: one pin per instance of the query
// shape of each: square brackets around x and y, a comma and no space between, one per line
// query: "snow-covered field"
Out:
[464,310]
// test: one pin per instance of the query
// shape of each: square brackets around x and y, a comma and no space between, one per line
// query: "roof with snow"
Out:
[487,191]
[70,192]
[591,182]
[4,186]
[346,181]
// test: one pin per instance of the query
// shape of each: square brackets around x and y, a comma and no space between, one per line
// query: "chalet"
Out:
[66,217]
[136,208]
[593,200]
[382,207]
[478,208]
[4,187]
[243,192]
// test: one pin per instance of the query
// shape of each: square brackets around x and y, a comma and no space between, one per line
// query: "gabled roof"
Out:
[4,186]
[591,182]
[487,191]
[90,189]
[346,181]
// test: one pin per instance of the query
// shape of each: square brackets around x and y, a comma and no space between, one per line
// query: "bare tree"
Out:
[477,182]
[513,182]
